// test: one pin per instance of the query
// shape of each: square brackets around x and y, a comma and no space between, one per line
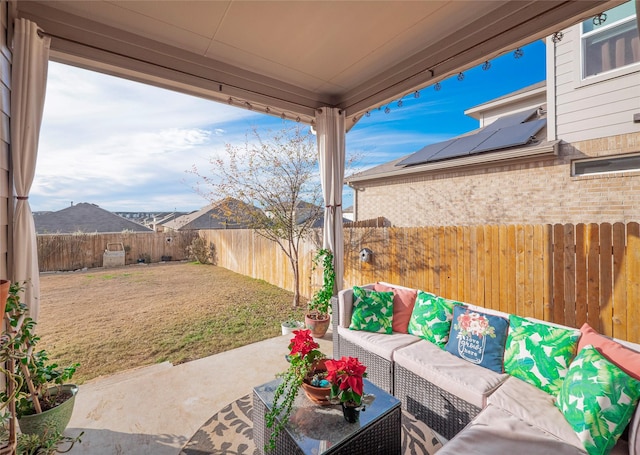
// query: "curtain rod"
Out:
[41,33]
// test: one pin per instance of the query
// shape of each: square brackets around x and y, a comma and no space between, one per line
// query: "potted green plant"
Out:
[290,325]
[317,318]
[303,358]
[44,401]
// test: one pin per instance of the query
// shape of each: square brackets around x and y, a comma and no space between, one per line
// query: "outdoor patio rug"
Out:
[230,432]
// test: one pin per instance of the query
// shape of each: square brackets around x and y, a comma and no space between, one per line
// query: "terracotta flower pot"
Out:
[318,324]
[4,294]
[317,395]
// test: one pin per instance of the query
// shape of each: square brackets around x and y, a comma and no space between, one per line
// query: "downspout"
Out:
[552,121]
[355,201]
[355,204]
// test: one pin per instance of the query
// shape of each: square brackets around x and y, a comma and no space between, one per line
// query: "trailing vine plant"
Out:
[321,300]
[303,353]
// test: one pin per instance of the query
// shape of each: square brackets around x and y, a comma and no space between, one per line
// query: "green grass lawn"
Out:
[115,319]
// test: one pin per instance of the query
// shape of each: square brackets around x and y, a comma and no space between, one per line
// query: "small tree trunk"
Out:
[296,282]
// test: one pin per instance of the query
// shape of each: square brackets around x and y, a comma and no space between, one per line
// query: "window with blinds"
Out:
[611,44]
[606,165]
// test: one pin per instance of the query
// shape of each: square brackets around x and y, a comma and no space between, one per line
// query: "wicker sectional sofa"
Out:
[478,410]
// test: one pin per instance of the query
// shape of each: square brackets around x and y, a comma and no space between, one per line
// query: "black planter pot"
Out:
[351,414]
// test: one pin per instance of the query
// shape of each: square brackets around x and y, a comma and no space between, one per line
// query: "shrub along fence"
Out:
[60,252]
[568,274]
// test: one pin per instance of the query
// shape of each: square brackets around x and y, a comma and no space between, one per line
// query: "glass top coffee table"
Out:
[317,430]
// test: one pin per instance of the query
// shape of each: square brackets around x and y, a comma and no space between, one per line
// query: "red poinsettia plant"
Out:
[345,376]
[303,352]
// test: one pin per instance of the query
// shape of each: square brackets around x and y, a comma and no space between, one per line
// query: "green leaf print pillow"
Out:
[372,311]
[431,318]
[598,400]
[538,353]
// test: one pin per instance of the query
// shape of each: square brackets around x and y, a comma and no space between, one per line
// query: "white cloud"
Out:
[103,135]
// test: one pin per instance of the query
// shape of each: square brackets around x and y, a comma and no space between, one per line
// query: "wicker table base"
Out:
[320,430]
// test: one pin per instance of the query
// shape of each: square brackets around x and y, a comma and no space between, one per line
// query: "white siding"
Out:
[493,115]
[600,107]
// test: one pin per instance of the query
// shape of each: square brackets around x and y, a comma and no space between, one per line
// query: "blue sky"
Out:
[126,146]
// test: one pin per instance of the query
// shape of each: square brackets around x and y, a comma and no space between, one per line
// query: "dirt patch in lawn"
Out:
[115,319]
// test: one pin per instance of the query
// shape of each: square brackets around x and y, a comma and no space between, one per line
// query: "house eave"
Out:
[541,150]
[475,112]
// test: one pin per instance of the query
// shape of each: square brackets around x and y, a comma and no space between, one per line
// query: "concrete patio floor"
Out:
[156,409]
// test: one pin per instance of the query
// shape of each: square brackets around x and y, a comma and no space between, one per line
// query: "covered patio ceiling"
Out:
[291,58]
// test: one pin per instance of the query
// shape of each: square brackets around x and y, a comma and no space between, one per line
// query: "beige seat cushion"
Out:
[537,408]
[380,344]
[495,431]
[470,382]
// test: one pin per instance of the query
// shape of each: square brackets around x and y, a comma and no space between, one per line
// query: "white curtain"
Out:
[28,85]
[331,156]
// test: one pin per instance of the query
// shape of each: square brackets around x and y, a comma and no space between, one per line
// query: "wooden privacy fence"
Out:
[250,254]
[60,252]
[568,274]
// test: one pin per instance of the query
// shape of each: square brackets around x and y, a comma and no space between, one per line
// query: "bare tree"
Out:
[277,172]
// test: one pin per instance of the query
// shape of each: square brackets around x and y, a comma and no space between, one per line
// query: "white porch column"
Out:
[28,85]
[331,156]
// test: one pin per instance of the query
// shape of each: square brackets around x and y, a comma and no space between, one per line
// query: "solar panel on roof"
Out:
[507,131]
[510,120]
[424,154]
[462,146]
[511,136]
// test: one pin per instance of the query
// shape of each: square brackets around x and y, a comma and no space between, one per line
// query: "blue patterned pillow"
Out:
[478,338]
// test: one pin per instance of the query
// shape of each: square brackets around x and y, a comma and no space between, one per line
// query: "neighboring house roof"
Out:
[163,219]
[303,212]
[83,217]
[225,214]
[150,219]
[531,90]
[306,210]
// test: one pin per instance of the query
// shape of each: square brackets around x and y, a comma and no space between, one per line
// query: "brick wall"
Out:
[540,191]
